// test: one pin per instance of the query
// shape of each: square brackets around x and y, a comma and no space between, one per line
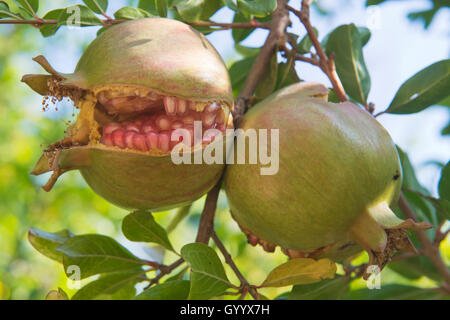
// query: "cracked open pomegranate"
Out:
[136,84]
[339,173]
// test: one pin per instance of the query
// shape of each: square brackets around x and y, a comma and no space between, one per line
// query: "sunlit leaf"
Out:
[426,88]
[300,271]
[208,278]
[172,290]
[46,242]
[141,226]
[346,43]
[93,254]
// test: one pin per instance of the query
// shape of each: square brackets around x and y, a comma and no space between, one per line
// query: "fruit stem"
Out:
[368,233]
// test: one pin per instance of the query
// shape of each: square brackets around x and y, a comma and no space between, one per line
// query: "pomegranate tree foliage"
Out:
[195,270]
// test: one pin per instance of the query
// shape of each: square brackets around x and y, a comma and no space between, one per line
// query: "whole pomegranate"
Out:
[136,84]
[339,173]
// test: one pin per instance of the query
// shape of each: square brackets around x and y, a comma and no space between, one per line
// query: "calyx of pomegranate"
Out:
[339,173]
[141,86]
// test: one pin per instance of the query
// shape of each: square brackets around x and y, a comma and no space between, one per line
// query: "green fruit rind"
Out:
[140,53]
[338,174]
[151,57]
[137,184]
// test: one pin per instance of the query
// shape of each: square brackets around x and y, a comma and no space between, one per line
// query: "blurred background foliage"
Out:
[25,129]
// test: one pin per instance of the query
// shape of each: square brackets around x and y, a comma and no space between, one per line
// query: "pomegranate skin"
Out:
[138,69]
[335,163]
[165,55]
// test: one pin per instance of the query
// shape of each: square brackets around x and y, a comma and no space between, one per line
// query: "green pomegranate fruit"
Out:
[339,173]
[136,84]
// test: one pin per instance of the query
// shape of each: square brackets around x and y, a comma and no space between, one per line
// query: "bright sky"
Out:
[397,49]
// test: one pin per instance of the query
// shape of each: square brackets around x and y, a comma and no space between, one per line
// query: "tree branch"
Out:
[278,25]
[280,21]
[164,270]
[325,63]
[245,286]
[108,22]
[206,226]
[428,249]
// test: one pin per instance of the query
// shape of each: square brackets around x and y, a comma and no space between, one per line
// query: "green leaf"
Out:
[149,6]
[269,79]
[423,209]
[300,271]
[257,8]
[210,8]
[238,72]
[365,34]
[427,87]
[395,292]
[59,294]
[101,30]
[446,130]
[373,2]
[444,183]
[50,29]
[5,12]
[129,13]
[46,242]
[109,284]
[237,33]
[231,4]
[30,6]
[442,205]
[80,16]
[94,254]
[172,290]
[445,102]
[140,226]
[189,10]
[208,278]
[98,6]
[345,41]
[286,74]
[332,289]
[246,51]
[332,96]
[161,5]
[304,46]
[415,268]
